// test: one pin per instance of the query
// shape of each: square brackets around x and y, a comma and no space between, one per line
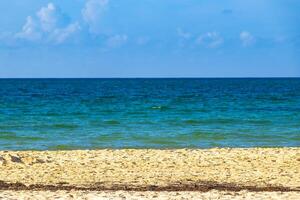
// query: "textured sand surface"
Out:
[183,169]
[120,195]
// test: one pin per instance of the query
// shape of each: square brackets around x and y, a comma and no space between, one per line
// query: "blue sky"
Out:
[150,38]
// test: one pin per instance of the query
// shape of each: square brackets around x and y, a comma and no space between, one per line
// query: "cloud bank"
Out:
[49,24]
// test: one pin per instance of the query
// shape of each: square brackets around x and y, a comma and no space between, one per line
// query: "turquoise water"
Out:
[148,113]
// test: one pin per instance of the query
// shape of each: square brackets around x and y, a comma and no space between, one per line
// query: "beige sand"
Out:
[120,195]
[257,169]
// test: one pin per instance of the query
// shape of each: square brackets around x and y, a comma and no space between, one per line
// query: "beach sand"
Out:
[120,195]
[195,173]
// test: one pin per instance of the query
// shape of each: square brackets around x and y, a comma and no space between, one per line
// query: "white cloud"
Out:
[49,24]
[92,12]
[29,30]
[247,38]
[60,35]
[48,17]
[183,34]
[116,41]
[210,40]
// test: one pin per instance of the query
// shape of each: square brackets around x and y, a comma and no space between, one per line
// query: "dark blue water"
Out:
[148,113]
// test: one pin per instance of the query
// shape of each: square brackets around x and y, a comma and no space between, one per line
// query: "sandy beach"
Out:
[121,195]
[265,172]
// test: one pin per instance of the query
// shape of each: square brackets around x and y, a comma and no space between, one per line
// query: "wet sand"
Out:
[257,171]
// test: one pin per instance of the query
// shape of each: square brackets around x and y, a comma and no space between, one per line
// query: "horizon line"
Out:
[183,77]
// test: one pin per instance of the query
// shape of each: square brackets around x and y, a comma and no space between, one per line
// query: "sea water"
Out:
[149,113]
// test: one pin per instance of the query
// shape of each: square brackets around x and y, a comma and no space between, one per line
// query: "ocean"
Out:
[52,114]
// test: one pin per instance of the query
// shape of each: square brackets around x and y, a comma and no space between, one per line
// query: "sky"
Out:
[149,38]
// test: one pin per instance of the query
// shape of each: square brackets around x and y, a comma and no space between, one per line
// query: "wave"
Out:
[227,121]
[209,121]
[112,122]
[11,136]
[100,123]
[65,126]
[64,147]
[109,137]
[161,108]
